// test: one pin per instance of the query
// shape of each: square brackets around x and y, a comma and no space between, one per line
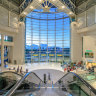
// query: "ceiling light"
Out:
[63,7]
[46,6]
[40,0]
[70,13]
[24,13]
[31,7]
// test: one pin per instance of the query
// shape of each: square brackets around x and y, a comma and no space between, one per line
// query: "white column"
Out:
[76,44]
[19,43]
[2,51]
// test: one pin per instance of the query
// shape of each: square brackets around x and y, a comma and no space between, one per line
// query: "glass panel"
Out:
[91,16]
[81,20]
[76,85]
[47,35]
[28,86]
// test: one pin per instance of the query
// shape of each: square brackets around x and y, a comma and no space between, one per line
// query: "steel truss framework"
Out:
[76,6]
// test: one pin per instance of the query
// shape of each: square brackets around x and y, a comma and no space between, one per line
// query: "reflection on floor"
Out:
[47,89]
[46,92]
[51,92]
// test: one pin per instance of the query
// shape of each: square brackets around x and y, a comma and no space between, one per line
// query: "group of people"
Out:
[19,70]
[73,66]
[69,68]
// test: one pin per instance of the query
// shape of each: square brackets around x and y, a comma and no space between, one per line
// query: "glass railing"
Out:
[26,85]
[90,78]
[7,81]
[76,85]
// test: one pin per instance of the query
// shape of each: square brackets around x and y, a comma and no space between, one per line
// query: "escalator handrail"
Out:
[82,80]
[11,72]
[86,83]
[13,89]
[37,76]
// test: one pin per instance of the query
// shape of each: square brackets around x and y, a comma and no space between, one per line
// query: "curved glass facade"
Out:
[47,37]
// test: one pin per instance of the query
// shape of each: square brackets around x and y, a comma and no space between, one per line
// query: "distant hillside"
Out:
[43,46]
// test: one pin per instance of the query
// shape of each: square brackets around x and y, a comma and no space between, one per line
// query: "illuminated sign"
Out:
[35,54]
[59,55]
[51,54]
[43,54]
[89,55]
[88,50]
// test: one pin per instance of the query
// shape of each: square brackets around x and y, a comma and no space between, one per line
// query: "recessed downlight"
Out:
[24,13]
[70,13]
[40,0]
[63,7]
[31,7]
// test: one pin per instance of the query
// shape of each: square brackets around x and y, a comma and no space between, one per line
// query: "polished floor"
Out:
[36,66]
[45,92]
[51,92]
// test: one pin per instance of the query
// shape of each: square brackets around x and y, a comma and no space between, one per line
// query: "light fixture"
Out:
[70,13]
[31,7]
[40,0]
[46,6]
[25,13]
[15,18]
[63,7]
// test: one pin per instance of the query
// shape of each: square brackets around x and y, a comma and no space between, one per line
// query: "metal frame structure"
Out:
[9,5]
[85,5]
[74,5]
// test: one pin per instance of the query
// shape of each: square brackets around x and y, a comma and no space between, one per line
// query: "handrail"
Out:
[82,80]
[37,76]
[11,72]
[12,90]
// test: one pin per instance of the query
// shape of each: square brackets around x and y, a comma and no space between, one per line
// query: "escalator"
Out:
[8,80]
[70,84]
[26,85]
[76,85]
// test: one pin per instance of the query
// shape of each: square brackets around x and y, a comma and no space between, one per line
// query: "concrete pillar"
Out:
[76,43]
[2,51]
[19,42]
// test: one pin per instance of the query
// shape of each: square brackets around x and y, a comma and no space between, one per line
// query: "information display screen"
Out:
[89,55]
